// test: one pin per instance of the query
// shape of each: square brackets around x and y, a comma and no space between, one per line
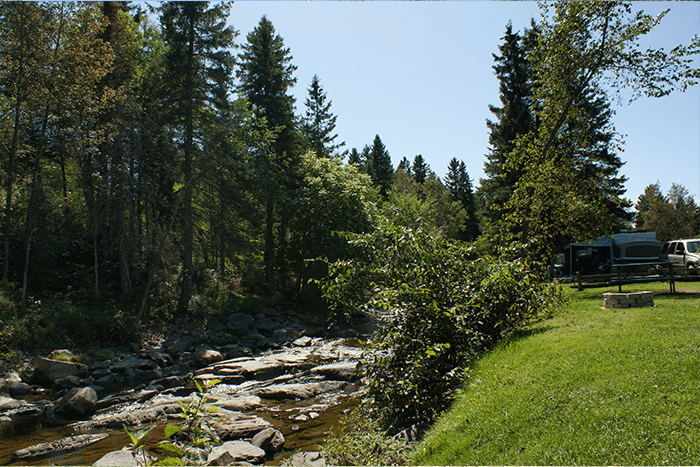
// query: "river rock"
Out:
[181,344]
[265,324]
[131,363]
[241,318]
[303,459]
[116,458]
[342,371]
[237,403]
[14,385]
[65,444]
[205,356]
[284,335]
[270,440]
[47,371]
[240,451]
[67,382]
[298,390]
[229,425]
[160,358]
[78,403]
[302,341]
[8,403]
[131,418]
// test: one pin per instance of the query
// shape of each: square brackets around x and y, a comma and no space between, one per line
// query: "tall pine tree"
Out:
[198,61]
[266,75]
[379,166]
[460,188]
[513,118]
[319,122]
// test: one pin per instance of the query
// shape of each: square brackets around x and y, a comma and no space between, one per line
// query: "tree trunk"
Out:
[269,255]
[187,246]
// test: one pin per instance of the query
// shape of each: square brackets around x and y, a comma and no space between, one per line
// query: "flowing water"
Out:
[305,424]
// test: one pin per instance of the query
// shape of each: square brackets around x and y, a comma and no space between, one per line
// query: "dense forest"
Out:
[156,168]
[148,163]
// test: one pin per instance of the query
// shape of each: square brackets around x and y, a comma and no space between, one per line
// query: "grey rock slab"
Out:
[302,341]
[285,335]
[132,363]
[298,390]
[240,451]
[78,403]
[66,382]
[231,425]
[47,371]
[65,444]
[117,458]
[131,396]
[237,403]
[8,403]
[241,318]
[343,371]
[129,418]
[18,388]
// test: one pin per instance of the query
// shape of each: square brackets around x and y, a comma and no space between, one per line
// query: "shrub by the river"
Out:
[443,305]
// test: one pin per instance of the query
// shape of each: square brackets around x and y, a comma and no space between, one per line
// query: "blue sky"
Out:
[419,74]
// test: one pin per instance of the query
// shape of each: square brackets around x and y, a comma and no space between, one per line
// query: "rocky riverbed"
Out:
[284,385]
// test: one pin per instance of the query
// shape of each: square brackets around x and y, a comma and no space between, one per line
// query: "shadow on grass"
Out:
[679,295]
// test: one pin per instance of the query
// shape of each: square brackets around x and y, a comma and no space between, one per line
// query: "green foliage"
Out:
[672,216]
[428,205]
[443,306]
[319,123]
[361,441]
[193,439]
[566,168]
[331,199]
[44,321]
[379,165]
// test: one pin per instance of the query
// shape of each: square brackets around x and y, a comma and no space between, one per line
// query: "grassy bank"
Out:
[589,386]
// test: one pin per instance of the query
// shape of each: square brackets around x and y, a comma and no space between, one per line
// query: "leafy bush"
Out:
[442,306]
[363,442]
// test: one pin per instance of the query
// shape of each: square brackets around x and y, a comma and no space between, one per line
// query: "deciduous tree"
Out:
[582,46]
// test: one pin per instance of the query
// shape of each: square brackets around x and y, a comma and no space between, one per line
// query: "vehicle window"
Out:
[693,247]
[672,248]
[664,248]
[680,249]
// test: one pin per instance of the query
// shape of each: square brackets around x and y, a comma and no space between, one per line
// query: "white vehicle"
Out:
[684,253]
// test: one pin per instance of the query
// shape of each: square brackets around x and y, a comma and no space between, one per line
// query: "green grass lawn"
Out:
[588,386]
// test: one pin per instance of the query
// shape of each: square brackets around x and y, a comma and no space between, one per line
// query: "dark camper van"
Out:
[596,257]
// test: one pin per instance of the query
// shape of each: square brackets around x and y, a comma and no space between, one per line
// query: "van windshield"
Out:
[694,247]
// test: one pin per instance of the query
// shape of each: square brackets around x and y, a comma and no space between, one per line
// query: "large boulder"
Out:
[132,363]
[298,390]
[47,371]
[239,451]
[14,385]
[284,335]
[78,403]
[270,440]
[205,356]
[342,371]
[115,458]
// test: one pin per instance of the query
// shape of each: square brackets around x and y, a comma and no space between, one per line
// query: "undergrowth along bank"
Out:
[588,386]
[443,305]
